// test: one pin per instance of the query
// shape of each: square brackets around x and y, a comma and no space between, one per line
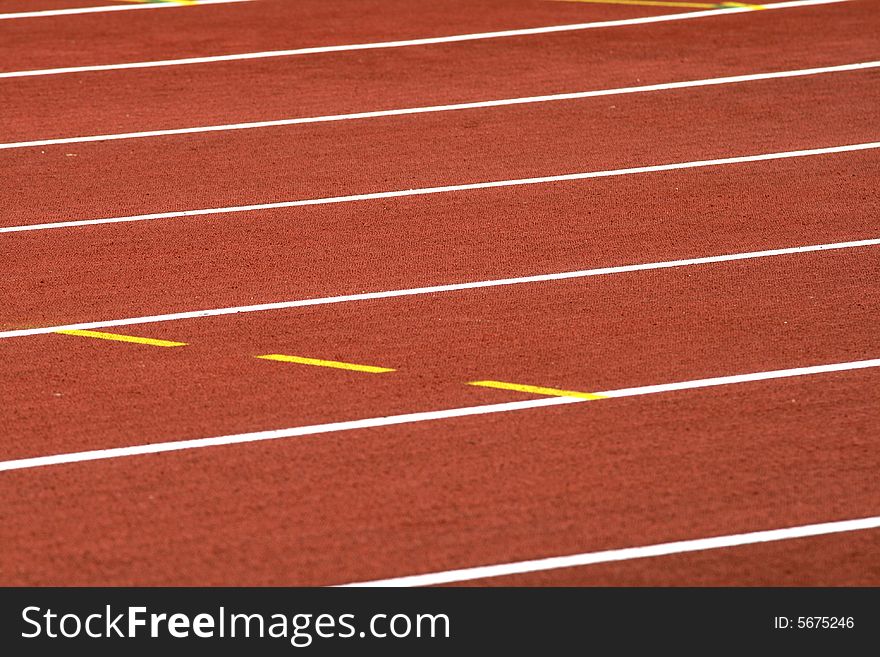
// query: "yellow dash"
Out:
[124,338]
[537,390]
[742,5]
[326,363]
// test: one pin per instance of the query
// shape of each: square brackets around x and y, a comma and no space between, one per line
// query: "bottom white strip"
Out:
[627,554]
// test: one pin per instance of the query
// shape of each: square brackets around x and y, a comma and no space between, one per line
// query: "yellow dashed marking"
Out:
[742,4]
[537,390]
[326,363]
[123,338]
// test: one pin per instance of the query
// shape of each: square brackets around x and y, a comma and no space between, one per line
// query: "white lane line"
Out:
[437,289]
[42,13]
[739,378]
[412,42]
[627,554]
[505,102]
[423,191]
[409,418]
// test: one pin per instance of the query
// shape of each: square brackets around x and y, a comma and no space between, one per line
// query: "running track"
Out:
[720,235]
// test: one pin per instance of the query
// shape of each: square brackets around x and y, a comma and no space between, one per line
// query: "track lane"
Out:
[396,501]
[325,160]
[586,335]
[266,25]
[130,270]
[122,101]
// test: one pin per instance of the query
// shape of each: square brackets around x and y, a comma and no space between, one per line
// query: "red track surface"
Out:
[202,171]
[119,101]
[470,236]
[484,490]
[384,502]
